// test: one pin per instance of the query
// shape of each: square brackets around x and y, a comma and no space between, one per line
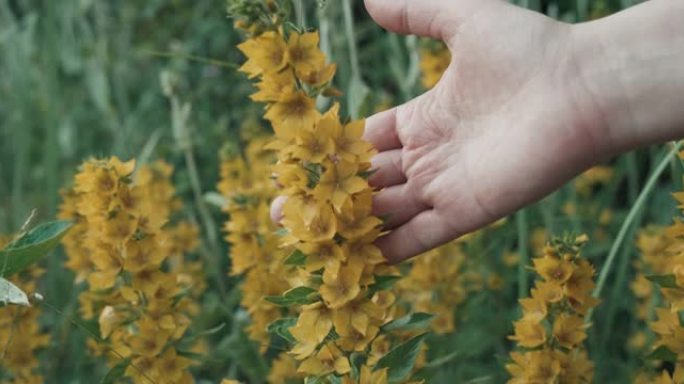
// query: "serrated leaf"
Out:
[662,353]
[665,281]
[400,360]
[11,294]
[413,321]
[296,258]
[116,372]
[31,247]
[295,296]
[382,282]
[281,328]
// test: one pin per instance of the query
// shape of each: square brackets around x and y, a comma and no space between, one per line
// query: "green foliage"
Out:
[296,258]
[412,321]
[400,360]
[11,294]
[116,373]
[665,281]
[281,328]
[31,247]
[295,296]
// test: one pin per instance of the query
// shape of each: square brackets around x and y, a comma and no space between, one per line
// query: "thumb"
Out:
[439,19]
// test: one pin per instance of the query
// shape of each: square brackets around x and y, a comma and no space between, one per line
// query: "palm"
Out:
[483,141]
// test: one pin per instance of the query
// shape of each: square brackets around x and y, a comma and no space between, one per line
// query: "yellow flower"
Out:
[356,317]
[266,54]
[569,330]
[144,254]
[357,341]
[553,269]
[348,143]
[273,86]
[338,183]
[355,219]
[321,227]
[317,77]
[312,146]
[150,340]
[316,322]
[549,292]
[283,369]
[371,376]
[534,367]
[143,370]
[343,287]
[433,63]
[303,52]
[326,255]
[293,113]
[529,333]
[329,359]
[171,366]
[534,308]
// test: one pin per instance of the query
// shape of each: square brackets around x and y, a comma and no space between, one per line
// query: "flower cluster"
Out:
[652,243]
[122,245]
[20,333]
[436,284]
[434,60]
[668,272]
[338,277]
[552,329]
[245,184]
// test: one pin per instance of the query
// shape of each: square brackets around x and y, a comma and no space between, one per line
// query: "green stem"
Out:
[197,59]
[299,12]
[351,38]
[631,218]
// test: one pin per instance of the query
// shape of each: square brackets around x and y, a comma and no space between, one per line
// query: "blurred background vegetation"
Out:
[81,78]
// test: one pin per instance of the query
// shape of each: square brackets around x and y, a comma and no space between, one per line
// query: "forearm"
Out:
[631,66]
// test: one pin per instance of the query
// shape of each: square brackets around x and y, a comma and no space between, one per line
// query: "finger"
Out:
[381,130]
[277,209]
[397,205]
[439,19]
[425,231]
[387,169]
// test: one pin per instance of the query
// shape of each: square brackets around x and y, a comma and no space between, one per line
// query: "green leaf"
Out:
[296,258]
[281,328]
[413,321]
[295,296]
[192,355]
[356,360]
[31,247]
[399,361]
[281,232]
[11,294]
[207,332]
[382,282]
[116,372]
[665,281]
[662,353]
[442,360]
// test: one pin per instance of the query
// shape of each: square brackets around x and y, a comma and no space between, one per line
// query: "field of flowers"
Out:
[141,145]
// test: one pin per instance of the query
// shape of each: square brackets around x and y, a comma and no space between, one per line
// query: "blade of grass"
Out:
[631,219]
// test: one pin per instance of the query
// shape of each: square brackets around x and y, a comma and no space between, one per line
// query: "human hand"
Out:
[501,129]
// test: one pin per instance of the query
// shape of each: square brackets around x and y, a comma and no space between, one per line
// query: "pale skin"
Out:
[526,104]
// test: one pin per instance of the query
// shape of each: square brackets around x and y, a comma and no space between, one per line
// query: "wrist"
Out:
[630,79]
